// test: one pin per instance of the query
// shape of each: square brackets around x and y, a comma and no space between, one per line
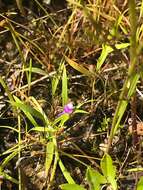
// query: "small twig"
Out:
[123,164]
[34,82]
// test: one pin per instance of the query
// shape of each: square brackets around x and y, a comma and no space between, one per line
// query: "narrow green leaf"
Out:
[141,9]
[66,174]
[27,111]
[78,67]
[71,187]
[64,87]
[8,177]
[105,52]
[49,156]
[38,108]
[8,127]
[120,114]
[57,77]
[29,75]
[10,150]
[135,170]
[42,129]
[83,103]
[125,31]
[8,158]
[132,84]
[109,171]
[55,82]
[62,119]
[122,108]
[80,111]
[115,29]
[122,45]
[55,162]
[140,184]
[6,89]
[95,179]
[35,70]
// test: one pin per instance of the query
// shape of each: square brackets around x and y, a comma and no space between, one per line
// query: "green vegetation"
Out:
[70,80]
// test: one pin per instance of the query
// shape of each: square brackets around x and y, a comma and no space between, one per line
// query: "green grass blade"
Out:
[132,84]
[122,45]
[80,111]
[42,129]
[55,82]
[8,127]
[35,70]
[6,89]
[79,67]
[106,50]
[29,75]
[109,170]
[9,158]
[140,183]
[71,187]
[28,111]
[141,9]
[95,179]
[8,177]
[61,120]
[27,108]
[55,162]
[66,173]
[38,107]
[49,156]
[10,150]
[64,87]
[56,79]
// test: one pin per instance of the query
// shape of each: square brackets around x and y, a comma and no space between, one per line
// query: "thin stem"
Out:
[19,151]
[125,96]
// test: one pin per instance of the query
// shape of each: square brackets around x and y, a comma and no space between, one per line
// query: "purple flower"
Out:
[68,108]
